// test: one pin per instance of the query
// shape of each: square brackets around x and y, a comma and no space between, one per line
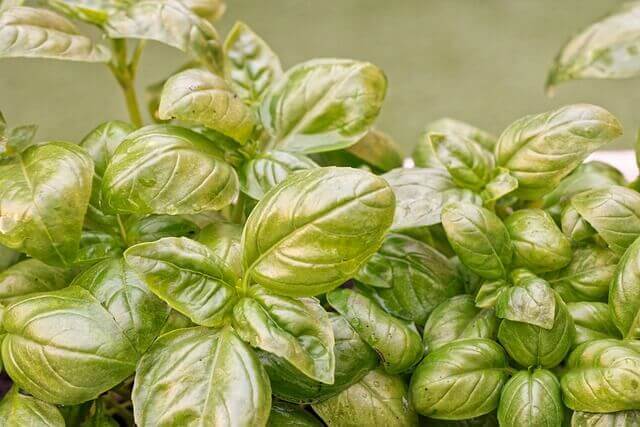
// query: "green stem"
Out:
[125,75]
[123,231]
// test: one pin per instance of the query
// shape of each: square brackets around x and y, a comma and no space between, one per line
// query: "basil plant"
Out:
[257,256]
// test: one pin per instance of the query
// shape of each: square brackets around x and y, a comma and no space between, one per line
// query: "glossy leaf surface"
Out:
[30,276]
[19,410]
[593,321]
[624,295]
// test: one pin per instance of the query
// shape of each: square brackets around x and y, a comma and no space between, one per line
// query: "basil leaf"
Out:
[574,226]
[489,293]
[531,345]
[588,275]
[615,419]
[18,410]
[96,246]
[93,12]
[250,65]
[30,276]
[297,330]
[533,394]
[417,277]
[206,377]
[44,194]
[27,32]
[100,418]
[624,295]
[379,399]
[378,150]
[173,171]
[17,140]
[211,10]
[169,22]
[155,227]
[606,49]
[223,240]
[353,359]
[305,236]
[502,183]
[468,163]
[532,302]
[456,319]
[593,321]
[461,380]
[199,96]
[614,212]
[266,170]
[538,243]
[541,149]
[479,238]
[287,415]
[397,342]
[341,100]
[602,376]
[187,276]
[139,314]
[8,257]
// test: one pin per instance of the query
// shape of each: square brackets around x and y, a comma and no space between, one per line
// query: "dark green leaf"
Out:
[288,415]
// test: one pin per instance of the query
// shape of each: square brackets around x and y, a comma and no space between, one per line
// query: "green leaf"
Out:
[468,163]
[91,11]
[456,319]
[606,49]
[461,380]
[593,321]
[288,415]
[479,238]
[379,399]
[533,398]
[155,227]
[17,140]
[353,359]
[30,276]
[378,150]
[341,100]
[531,345]
[489,293]
[541,149]
[602,376]
[27,32]
[416,278]
[199,96]
[139,314]
[423,154]
[250,65]
[65,347]
[316,229]
[295,329]
[18,410]
[614,419]
[166,169]
[532,302]
[501,184]
[187,276]
[223,239]
[169,22]
[8,257]
[266,170]
[574,226]
[99,418]
[538,244]
[44,194]
[614,212]
[96,246]
[588,275]
[397,342]
[624,294]
[205,377]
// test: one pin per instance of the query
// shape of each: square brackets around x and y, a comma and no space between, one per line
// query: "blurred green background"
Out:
[484,62]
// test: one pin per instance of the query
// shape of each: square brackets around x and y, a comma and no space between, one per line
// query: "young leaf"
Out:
[379,399]
[199,96]
[202,377]
[456,319]
[397,342]
[169,22]
[28,32]
[305,237]
[461,380]
[96,246]
[602,376]
[223,240]
[211,10]
[541,149]
[249,63]
[295,329]
[30,276]
[479,238]
[624,295]
[502,184]
[44,194]
[263,172]
[411,277]
[155,227]
[532,301]
[18,410]
[167,169]
[489,293]
[92,11]
[607,49]
[574,226]
[287,415]
[593,321]
[341,100]
[534,395]
[187,276]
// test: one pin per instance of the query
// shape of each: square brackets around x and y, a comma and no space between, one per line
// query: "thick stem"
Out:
[132,102]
